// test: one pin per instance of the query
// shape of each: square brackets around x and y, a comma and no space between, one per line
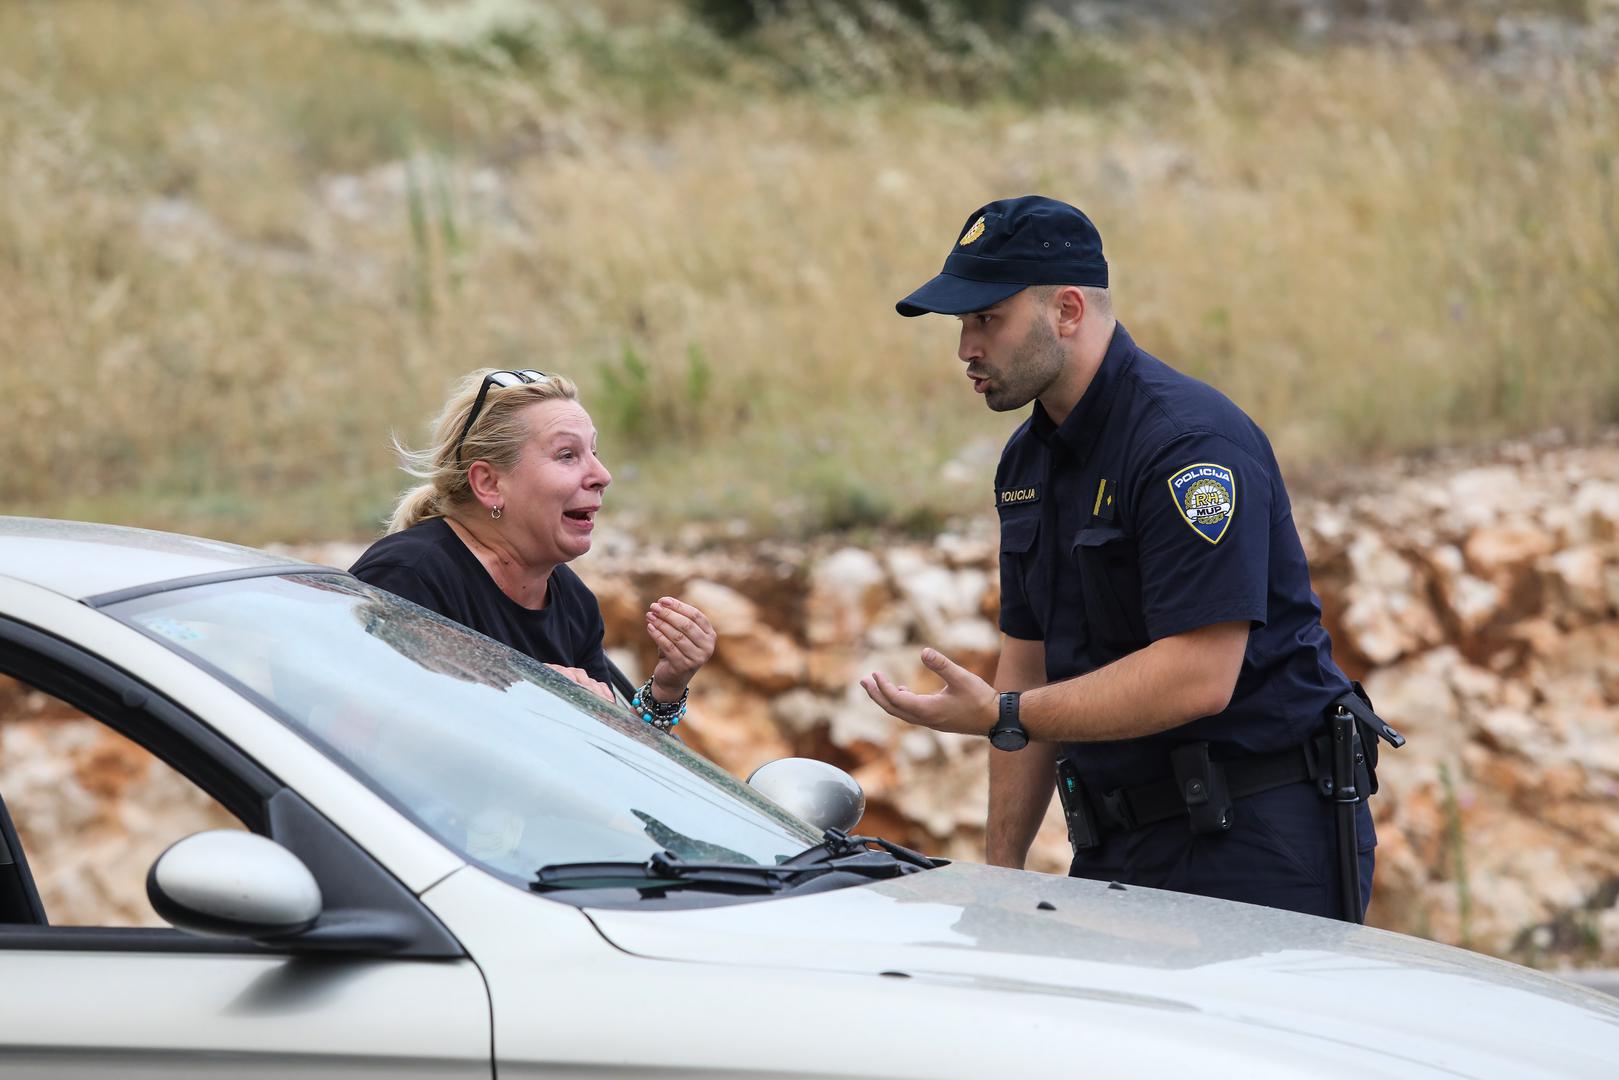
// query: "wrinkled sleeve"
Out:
[1203,512]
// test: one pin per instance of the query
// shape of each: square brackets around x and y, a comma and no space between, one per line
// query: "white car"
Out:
[458,864]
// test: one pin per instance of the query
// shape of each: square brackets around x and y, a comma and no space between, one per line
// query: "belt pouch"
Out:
[1083,833]
[1202,787]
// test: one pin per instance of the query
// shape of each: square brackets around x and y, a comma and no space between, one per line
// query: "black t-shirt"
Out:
[431,566]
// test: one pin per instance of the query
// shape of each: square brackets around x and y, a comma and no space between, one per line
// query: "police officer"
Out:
[1162,656]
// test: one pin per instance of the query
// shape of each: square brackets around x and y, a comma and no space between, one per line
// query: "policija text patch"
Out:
[1012,496]
[1206,495]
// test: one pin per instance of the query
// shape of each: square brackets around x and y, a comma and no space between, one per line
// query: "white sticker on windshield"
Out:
[173,629]
[494,832]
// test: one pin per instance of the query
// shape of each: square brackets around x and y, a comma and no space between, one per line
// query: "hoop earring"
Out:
[494,512]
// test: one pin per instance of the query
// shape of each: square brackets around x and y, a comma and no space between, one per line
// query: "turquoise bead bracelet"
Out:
[662,715]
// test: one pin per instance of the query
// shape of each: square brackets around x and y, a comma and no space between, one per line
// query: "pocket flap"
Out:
[1098,535]
[1018,533]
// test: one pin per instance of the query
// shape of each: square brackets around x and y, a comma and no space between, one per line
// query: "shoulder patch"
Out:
[1015,495]
[1206,495]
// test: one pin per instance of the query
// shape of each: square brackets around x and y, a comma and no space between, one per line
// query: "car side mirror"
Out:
[823,795]
[233,883]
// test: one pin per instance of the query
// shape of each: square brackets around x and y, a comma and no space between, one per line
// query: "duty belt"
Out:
[1202,788]
[1128,808]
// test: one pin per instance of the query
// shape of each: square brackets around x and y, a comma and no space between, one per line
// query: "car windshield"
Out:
[496,755]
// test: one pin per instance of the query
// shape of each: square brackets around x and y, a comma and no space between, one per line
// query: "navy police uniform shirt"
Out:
[1156,508]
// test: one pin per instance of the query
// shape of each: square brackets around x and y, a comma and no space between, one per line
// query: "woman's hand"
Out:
[685,641]
[582,677]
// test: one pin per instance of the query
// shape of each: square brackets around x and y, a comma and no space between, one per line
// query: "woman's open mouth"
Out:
[584,518]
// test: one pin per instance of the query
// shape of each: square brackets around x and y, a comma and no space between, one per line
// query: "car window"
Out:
[499,757]
[93,809]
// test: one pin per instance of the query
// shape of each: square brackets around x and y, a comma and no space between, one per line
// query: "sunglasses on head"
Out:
[495,378]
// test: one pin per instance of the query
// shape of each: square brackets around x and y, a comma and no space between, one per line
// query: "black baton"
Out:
[1346,753]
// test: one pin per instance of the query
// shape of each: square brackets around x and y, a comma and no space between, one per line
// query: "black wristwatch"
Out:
[1008,733]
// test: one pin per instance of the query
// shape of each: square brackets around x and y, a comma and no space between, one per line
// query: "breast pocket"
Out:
[1020,562]
[1110,583]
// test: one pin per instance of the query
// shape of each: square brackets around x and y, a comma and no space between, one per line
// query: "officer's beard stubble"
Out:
[1033,367]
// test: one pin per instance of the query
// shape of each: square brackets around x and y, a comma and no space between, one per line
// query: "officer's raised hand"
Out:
[965,706]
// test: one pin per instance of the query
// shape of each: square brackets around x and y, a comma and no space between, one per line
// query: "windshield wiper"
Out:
[837,853]
[668,870]
[839,848]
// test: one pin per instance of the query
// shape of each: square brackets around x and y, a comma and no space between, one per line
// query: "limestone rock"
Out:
[832,670]
[1511,730]
[1470,602]
[846,591]
[1417,698]
[759,654]
[857,725]
[1578,582]
[936,594]
[1596,512]
[623,612]
[1480,497]
[964,551]
[763,657]
[732,725]
[802,714]
[893,626]
[950,791]
[973,643]
[1505,555]
[1386,614]
[728,611]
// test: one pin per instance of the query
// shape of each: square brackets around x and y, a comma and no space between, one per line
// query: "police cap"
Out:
[1006,246]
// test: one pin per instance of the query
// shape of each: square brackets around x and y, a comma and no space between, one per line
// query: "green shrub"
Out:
[738,18]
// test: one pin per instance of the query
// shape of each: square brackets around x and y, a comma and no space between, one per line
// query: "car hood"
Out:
[1422,1005]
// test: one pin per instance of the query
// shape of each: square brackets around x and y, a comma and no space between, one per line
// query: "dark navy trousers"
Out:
[1280,852]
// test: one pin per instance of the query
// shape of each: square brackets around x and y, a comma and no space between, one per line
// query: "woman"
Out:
[511,488]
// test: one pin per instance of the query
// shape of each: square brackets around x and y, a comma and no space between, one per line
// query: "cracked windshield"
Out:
[503,760]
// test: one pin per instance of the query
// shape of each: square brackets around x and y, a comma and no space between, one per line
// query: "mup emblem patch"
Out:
[973,233]
[1206,495]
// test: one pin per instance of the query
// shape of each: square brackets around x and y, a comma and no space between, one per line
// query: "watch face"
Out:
[1008,738]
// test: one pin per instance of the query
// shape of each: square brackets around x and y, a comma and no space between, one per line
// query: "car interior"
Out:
[19,899]
[186,779]
[144,805]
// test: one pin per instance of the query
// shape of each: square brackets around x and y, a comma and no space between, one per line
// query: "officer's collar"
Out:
[1083,426]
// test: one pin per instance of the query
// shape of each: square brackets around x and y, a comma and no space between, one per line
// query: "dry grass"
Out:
[236,249]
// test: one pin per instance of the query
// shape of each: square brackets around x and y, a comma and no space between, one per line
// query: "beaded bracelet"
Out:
[662,715]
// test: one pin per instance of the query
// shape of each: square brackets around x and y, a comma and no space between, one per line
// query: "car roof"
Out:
[81,559]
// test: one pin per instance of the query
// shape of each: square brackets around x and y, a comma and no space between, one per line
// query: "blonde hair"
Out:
[496,436]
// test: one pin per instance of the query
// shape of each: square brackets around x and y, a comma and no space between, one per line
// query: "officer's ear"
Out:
[1069,305]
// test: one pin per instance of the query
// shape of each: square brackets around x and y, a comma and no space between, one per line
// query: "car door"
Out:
[115,998]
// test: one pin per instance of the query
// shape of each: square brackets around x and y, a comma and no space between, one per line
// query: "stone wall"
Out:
[1479,602]
[1478,599]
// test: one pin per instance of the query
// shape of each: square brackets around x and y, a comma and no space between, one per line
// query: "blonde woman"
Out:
[509,496]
